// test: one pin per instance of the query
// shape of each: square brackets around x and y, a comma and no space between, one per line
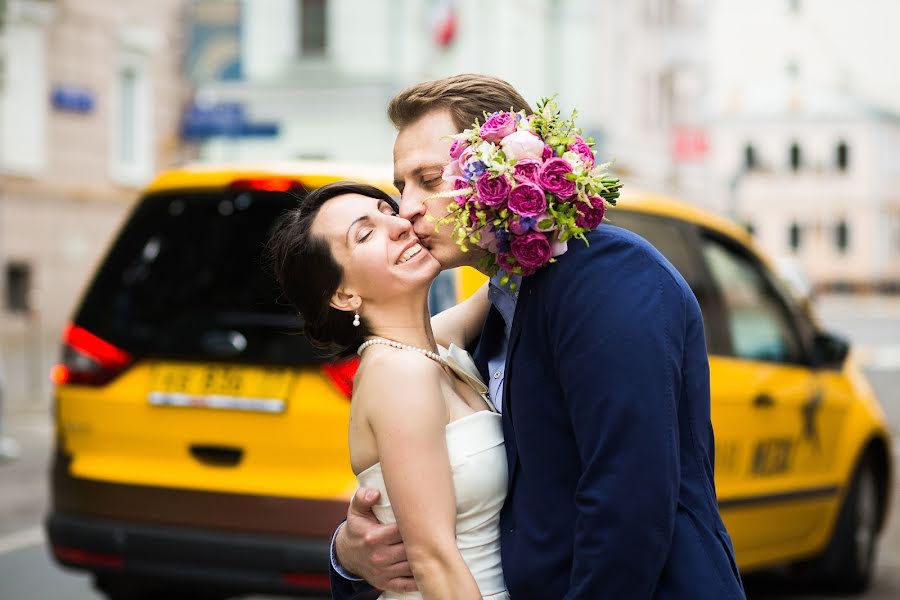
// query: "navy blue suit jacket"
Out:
[606,414]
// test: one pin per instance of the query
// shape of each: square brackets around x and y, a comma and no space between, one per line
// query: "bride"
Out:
[422,430]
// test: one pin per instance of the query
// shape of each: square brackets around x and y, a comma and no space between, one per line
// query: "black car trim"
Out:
[792,496]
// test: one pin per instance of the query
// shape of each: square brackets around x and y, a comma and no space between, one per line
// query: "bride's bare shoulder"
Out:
[404,378]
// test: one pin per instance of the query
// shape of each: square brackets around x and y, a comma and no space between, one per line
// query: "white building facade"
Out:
[805,133]
[90,100]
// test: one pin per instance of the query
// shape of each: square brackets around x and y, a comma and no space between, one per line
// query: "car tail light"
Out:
[86,557]
[341,374]
[88,360]
[266,184]
[307,580]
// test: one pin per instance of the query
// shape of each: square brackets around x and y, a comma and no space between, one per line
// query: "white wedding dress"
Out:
[478,462]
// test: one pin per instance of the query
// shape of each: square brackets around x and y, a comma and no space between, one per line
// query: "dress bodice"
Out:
[478,465]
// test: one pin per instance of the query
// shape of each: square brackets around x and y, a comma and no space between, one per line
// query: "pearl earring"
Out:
[356,320]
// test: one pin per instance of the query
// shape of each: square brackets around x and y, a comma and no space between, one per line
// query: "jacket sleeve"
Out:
[616,328]
[343,588]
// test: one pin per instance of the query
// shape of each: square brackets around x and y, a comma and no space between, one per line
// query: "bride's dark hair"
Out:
[309,275]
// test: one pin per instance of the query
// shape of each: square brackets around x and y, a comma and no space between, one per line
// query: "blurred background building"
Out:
[90,99]
[781,114]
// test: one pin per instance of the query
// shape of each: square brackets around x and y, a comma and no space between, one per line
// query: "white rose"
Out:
[575,160]
[522,144]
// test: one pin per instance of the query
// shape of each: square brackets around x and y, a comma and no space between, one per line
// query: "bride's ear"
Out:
[345,300]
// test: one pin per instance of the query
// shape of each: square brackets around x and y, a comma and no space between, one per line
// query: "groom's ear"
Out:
[345,300]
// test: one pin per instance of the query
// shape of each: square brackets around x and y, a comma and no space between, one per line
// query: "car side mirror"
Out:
[831,350]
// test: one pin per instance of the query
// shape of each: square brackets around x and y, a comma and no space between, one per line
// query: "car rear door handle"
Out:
[764,401]
[217,456]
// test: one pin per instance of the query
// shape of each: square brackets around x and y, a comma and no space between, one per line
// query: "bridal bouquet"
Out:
[523,187]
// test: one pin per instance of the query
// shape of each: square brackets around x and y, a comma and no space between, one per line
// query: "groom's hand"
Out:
[371,550]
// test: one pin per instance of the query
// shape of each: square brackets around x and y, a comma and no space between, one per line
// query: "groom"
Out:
[599,367]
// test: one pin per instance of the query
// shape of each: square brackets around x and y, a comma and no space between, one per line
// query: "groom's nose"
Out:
[411,206]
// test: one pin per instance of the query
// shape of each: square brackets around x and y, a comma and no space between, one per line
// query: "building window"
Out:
[313,38]
[751,163]
[842,156]
[796,157]
[127,115]
[18,287]
[132,142]
[794,238]
[842,236]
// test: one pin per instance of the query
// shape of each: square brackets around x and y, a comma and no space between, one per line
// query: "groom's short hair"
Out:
[467,96]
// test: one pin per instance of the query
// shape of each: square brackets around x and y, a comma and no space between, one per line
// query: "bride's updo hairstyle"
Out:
[309,275]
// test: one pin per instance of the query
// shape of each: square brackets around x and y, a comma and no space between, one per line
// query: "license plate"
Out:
[222,387]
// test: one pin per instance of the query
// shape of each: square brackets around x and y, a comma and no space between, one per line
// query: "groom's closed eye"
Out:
[432,178]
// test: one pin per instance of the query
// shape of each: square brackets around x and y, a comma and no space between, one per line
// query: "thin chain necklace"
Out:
[380,340]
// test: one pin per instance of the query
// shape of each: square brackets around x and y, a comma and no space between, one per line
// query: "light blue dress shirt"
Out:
[504,300]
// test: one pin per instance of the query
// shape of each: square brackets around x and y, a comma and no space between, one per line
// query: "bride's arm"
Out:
[408,423]
[461,324]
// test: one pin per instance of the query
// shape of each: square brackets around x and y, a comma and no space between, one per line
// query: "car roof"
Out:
[313,174]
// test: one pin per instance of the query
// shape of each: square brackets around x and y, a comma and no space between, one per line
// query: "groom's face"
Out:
[420,153]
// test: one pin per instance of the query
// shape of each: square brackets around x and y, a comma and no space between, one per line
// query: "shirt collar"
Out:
[503,298]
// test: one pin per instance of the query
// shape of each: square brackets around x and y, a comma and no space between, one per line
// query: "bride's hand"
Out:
[371,550]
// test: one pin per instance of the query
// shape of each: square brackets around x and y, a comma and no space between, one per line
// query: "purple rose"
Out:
[590,217]
[531,250]
[527,200]
[456,149]
[527,169]
[548,152]
[498,126]
[580,147]
[553,178]
[493,191]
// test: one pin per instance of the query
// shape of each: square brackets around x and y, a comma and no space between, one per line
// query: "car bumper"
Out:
[240,562]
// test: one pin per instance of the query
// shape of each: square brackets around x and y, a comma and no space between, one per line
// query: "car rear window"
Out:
[186,279]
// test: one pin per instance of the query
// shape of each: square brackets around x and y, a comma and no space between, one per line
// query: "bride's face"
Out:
[380,255]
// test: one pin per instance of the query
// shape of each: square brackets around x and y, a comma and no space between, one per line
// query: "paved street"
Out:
[26,572]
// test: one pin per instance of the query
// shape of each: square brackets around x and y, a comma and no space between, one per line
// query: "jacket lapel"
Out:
[509,432]
[487,342]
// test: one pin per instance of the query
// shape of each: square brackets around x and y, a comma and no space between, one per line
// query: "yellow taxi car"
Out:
[201,442]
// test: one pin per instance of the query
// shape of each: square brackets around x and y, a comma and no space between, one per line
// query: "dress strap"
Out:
[462,364]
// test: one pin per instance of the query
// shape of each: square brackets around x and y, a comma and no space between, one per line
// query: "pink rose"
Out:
[527,169]
[548,152]
[545,217]
[527,200]
[506,260]
[498,126]
[531,250]
[522,144]
[451,171]
[581,148]
[590,217]
[467,153]
[456,149]
[553,178]
[493,191]
[558,248]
